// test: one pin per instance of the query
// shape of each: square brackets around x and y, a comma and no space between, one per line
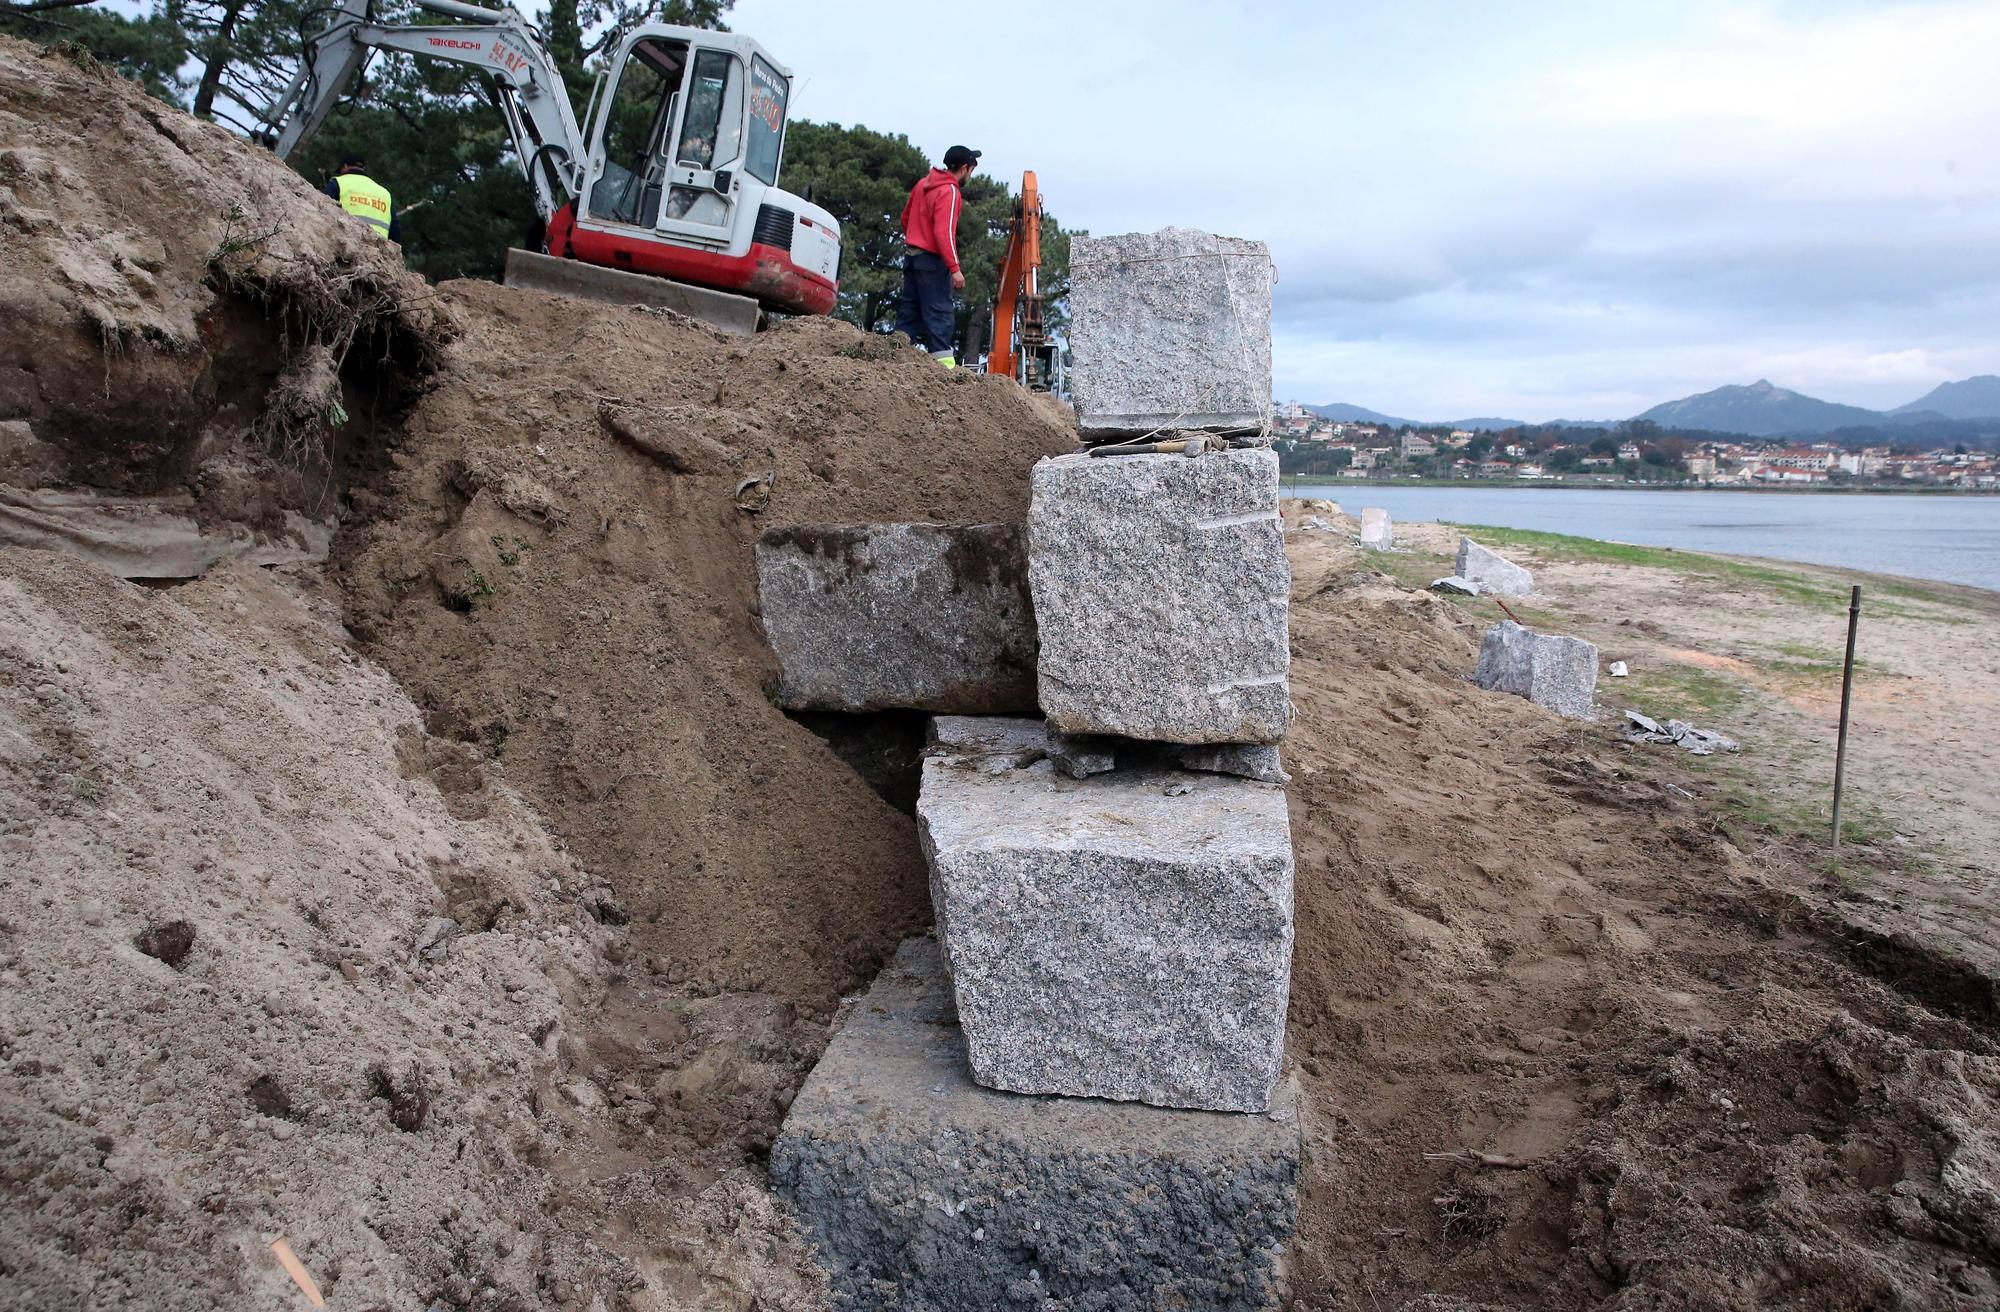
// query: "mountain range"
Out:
[1360,414]
[1760,409]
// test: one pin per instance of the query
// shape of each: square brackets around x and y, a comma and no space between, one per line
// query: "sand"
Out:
[1517,942]
[277,963]
[185,324]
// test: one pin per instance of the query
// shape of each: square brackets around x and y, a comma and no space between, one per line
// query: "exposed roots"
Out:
[322,313]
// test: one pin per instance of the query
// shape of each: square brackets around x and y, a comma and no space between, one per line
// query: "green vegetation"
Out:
[1813,593]
[1685,692]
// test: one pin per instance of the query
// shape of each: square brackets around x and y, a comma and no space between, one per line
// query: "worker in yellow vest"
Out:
[364,198]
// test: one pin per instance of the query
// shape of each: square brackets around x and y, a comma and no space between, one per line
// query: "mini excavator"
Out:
[674,172]
[1021,348]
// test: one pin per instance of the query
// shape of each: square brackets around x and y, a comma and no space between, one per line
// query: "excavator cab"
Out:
[656,144]
[684,147]
[674,172]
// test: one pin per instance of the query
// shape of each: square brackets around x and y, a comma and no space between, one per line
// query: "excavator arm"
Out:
[1019,339]
[526,84]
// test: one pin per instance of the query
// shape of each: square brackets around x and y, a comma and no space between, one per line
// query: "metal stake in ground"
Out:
[1846,695]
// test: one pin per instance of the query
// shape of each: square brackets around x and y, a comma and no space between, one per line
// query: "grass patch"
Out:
[1800,589]
[1685,692]
[1412,569]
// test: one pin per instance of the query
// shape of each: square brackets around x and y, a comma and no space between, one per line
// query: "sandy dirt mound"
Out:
[1565,1049]
[180,314]
[559,567]
[562,573]
[275,961]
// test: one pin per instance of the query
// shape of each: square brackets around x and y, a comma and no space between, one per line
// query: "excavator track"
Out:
[591,282]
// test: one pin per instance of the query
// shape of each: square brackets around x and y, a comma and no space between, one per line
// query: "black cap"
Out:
[959,156]
[350,160]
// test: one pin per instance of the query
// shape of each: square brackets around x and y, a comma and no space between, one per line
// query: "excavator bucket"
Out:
[590,282]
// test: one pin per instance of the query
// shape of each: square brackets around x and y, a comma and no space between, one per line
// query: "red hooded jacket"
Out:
[930,216]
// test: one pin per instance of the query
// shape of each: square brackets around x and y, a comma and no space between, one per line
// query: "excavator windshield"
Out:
[635,124]
[672,135]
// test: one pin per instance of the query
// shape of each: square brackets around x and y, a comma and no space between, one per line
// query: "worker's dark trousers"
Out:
[926,313]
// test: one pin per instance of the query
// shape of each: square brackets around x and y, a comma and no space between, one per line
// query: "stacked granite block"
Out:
[1076,1097]
[1169,330]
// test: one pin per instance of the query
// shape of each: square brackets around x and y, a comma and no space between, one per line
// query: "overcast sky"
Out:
[1533,210]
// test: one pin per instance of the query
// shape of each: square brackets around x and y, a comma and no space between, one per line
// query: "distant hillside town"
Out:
[1636,451]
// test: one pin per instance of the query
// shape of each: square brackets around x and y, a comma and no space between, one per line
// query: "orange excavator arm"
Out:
[1017,346]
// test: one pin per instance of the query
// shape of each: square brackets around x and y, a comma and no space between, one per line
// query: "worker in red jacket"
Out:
[930,266]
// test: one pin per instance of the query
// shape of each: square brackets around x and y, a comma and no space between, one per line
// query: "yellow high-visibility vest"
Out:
[367,200]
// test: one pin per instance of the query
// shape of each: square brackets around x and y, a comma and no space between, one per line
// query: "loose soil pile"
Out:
[560,569]
[277,963]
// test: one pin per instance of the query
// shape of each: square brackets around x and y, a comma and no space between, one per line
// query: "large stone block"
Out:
[869,617]
[1127,935]
[1161,592]
[1492,571]
[1170,329]
[1548,669]
[922,1191]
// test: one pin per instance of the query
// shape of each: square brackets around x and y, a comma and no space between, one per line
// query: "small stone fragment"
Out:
[169,942]
[1080,757]
[1457,586]
[1246,760]
[1018,739]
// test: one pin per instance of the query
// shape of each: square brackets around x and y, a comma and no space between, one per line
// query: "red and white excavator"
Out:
[673,173]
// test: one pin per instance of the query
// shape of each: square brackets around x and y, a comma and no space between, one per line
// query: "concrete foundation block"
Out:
[870,617]
[1161,591]
[1170,329]
[1548,669]
[1377,532]
[1124,936]
[1492,571]
[921,1190]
